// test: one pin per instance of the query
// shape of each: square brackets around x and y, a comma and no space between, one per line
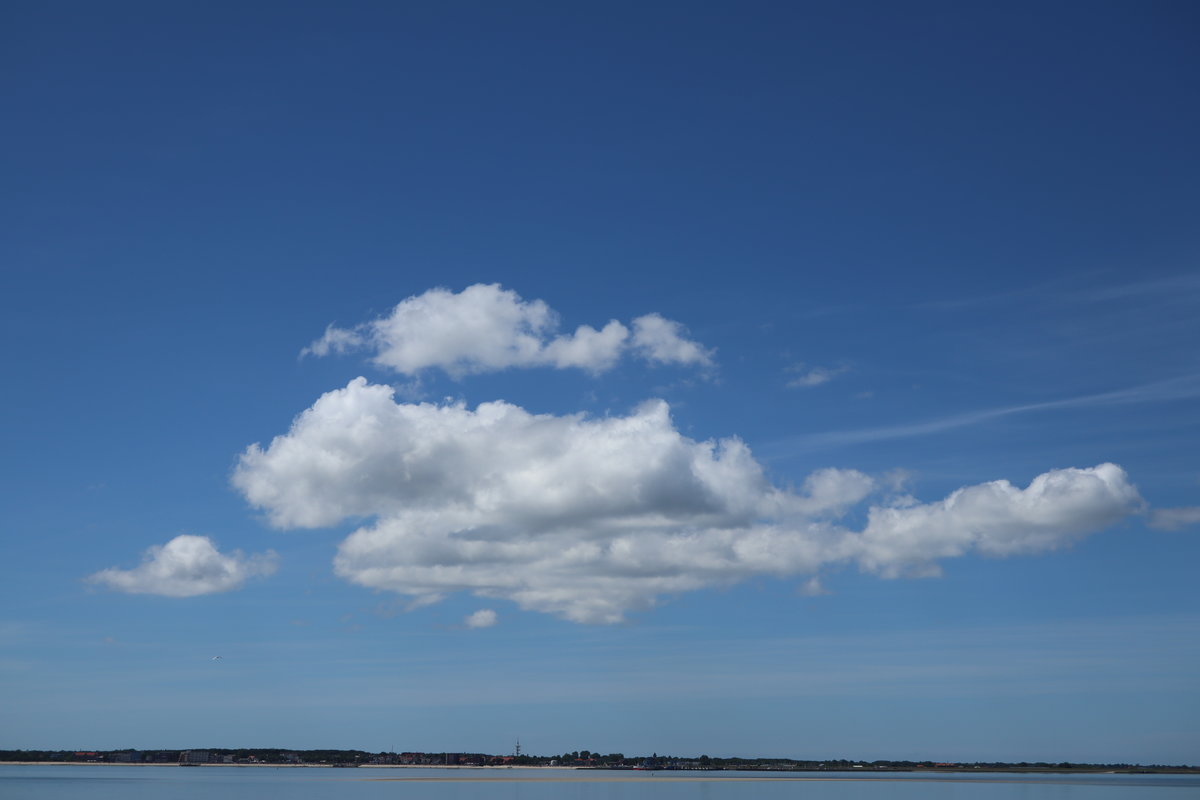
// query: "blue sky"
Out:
[697,378]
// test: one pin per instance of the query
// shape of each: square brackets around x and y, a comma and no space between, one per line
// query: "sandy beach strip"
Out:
[589,776]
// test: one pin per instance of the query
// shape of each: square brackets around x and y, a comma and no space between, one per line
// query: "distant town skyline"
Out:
[575,758]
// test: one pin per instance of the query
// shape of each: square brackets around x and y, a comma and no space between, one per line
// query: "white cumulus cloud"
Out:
[186,566]
[485,328]
[997,519]
[664,341]
[590,518]
[483,618]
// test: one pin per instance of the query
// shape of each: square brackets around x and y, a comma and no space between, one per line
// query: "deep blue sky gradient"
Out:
[965,208]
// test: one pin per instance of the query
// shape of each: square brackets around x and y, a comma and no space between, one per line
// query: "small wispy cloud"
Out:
[978,301]
[483,618]
[1172,519]
[1066,291]
[806,377]
[813,588]
[1172,286]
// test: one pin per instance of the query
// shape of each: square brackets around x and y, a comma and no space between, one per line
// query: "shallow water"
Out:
[244,783]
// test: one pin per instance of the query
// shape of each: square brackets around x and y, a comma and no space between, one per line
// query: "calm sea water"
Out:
[263,783]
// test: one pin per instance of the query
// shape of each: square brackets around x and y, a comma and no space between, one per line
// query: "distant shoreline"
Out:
[601,773]
[275,766]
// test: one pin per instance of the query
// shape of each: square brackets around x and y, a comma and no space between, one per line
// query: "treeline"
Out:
[261,755]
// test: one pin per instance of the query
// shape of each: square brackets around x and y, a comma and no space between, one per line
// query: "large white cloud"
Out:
[186,566]
[589,518]
[486,328]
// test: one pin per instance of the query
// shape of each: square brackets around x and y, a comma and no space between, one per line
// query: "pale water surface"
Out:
[247,783]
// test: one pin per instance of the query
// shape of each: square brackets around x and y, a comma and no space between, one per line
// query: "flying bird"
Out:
[215,658]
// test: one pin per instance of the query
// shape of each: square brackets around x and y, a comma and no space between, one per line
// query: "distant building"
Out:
[195,757]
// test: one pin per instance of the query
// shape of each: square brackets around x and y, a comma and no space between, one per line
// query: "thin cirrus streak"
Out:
[1178,388]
